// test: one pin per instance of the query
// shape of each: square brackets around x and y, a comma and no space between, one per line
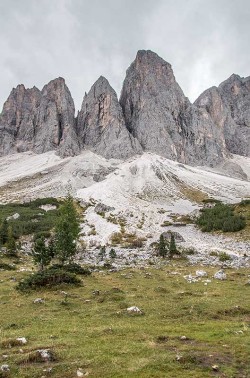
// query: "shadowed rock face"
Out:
[39,121]
[55,127]
[101,126]
[163,120]
[229,107]
[18,120]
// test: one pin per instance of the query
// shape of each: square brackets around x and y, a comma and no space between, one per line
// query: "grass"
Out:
[93,330]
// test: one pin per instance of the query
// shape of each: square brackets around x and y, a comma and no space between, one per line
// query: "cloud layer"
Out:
[205,41]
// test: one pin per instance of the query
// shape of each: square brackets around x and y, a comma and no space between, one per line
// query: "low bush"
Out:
[244,202]
[223,256]
[5,266]
[210,200]
[42,234]
[48,278]
[71,268]
[220,217]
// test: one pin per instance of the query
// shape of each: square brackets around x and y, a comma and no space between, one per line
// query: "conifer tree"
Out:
[67,231]
[162,246]
[41,254]
[11,243]
[4,232]
[112,253]
[172,246]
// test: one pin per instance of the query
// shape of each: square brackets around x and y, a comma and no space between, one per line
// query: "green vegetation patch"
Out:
[221,217]
[51,277]
[31,218]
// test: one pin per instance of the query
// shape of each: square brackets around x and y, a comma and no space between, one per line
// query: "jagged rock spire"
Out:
[101,126]
[159,115]
[229,107]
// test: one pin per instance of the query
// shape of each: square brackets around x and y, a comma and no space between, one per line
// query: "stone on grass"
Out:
[220,275]
[81,373]
[22,340]
[38,300]
[5,368]
[183,338]
[215,367]
[46,355]
[134,310]
[201,273]
[190,278]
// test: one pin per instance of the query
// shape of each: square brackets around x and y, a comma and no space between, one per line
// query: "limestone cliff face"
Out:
[101,126]
[18,120]
[229,107]
[55,127]
[163,120]
[153,115]
[39,121]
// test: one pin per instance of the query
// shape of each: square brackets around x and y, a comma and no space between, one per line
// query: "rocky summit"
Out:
[153,115]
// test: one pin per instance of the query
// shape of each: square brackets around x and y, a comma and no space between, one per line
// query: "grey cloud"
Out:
[205,41]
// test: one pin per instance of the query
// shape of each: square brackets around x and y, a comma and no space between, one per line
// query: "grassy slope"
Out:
[99,335]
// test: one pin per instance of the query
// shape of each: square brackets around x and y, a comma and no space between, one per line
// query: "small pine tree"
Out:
[112,253]
[41,254]
[4,232]
[67,231]
[172,246]
[102,252]
[11,243]
[162,246]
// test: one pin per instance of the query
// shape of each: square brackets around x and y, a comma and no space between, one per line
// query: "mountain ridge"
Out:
[152,115]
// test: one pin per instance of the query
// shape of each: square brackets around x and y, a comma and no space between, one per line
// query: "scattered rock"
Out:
[178,237]
[14,216]
[22,340]
[215,368]
[48,370]
[183,338]
[38,300]
[134,310]
[46,355]
[102,208]
[220,275]
[5,368]
[48,207]
[190,278]
[201,273]
[81,373]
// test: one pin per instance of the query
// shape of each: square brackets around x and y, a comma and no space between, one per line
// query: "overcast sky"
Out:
[204,40]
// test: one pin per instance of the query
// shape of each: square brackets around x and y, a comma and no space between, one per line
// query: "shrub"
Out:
[210,200]
[72,268]
[244,202]
[162,248]
[42,234]
[112,253]
[47,278]
[224,257]
[220,217]
[5,266]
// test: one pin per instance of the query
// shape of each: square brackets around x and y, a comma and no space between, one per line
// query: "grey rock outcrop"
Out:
[39,121]
[229,107]
[56,127]
[163,120]
[18,120]
[153,115]
[101,126]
